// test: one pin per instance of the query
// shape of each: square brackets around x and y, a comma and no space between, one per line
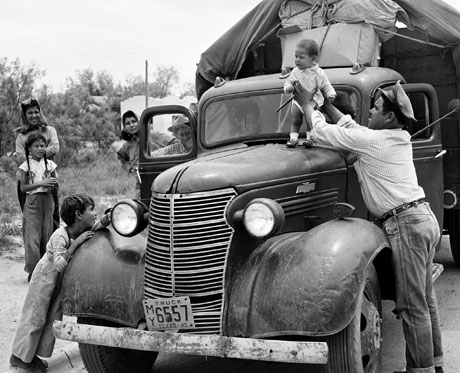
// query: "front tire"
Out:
[357,348]
[103,359]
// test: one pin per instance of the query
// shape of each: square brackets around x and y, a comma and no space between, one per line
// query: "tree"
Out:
[88,103]
[134,86]
[165,78]
[16,84]
[86,113]
[188,89]
[105,84]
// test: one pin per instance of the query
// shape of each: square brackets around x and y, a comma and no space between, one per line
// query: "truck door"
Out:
[167,138]
[427,145]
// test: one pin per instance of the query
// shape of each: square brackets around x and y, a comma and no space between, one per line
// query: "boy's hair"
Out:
[310,46]
[74,203]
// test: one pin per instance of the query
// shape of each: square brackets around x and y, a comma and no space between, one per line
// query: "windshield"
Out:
[255,117]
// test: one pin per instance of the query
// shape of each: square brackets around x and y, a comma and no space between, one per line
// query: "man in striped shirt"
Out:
[390,189]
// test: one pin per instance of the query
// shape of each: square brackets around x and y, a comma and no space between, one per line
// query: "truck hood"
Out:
[248,168]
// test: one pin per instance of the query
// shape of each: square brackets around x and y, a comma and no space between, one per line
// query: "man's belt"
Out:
[396,211]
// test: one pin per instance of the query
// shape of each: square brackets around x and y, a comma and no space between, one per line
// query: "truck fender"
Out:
[104,279]
[304,283]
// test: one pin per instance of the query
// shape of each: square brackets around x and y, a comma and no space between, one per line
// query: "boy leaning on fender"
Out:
[42,305]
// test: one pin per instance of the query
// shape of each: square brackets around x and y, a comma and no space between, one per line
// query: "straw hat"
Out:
[177,121]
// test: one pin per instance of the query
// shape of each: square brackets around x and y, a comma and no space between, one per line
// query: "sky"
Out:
[117,36]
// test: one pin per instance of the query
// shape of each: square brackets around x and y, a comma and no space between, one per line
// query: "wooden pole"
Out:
[146,84]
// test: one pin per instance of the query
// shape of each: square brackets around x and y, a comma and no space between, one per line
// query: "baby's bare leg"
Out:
[297,117]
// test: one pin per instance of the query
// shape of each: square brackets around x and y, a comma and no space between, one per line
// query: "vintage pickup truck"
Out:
[245,248]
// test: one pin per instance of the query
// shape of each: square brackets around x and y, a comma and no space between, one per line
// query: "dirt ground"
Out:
[13,289]
[13,286]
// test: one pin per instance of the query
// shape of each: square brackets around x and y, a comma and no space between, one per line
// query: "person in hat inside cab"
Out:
[181,130]
[128,154]
[391,192]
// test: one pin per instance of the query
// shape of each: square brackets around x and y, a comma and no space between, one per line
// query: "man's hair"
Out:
[388,106]
[74,203]
[310,46]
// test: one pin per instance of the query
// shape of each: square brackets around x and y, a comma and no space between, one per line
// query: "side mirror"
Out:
[454,108]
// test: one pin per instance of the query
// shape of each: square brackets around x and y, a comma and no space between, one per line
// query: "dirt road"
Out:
[13,283]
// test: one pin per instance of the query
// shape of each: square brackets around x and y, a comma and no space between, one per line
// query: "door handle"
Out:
[441,153]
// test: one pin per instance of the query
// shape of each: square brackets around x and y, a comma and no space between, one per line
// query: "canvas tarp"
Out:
[306,15]
[437,20]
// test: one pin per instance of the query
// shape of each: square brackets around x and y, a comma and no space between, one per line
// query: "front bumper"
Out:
[194,344]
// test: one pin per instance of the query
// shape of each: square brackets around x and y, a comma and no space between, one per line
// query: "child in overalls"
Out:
[42,305]
[36,176]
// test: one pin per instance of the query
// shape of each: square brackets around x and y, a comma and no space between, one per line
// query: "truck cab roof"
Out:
[367,80]
[244,110]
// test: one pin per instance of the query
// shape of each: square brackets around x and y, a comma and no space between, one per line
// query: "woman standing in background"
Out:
[33,122]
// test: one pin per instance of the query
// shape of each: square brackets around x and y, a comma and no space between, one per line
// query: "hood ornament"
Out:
[305,187]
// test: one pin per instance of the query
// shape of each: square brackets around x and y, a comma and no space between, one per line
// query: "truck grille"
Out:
[187,248]
[313,201]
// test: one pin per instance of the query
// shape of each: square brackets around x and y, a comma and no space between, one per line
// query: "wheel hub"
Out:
[371,336]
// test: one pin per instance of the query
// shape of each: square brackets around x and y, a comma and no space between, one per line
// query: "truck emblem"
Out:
[305,187]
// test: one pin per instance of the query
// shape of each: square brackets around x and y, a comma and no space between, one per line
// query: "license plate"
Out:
[168,313]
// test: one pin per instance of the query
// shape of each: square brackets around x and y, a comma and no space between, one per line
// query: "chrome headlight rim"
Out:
[263,218]
[127,217]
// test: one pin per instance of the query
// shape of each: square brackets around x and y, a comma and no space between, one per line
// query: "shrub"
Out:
[100,176]
[9,208]
[6,232]
[8,165]
[8,202]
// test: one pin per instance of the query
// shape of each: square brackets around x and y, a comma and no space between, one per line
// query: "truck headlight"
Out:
[263,217]
[129,217]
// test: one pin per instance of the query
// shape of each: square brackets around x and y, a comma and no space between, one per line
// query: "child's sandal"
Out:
[42,364]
